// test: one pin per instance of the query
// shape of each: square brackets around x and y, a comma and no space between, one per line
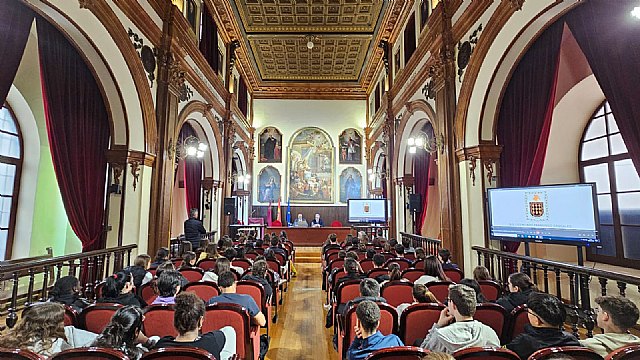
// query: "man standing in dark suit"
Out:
[193,229]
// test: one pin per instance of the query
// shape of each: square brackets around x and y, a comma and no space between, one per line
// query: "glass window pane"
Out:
[596,128]
[604,209]
[7,174]
[5,211]
[626,176]
[631,242]
[594,149]
[629,208]
[6,121]
[608,243]
[617,144]
[9,145]
[3,243]
[613,125]
[598,174]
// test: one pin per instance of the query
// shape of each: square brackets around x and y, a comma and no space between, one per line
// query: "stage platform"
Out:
[312,236]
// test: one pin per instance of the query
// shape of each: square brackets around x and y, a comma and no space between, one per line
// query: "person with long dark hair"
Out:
[66,291]
[118,288]
[211,252]
[162,255]
[520,287]
[476,287]
[421,295]
[222,265]
[124,332]
[394,274]
[188,260]
[432,271]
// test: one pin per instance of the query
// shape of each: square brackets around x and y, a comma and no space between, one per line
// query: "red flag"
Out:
[278,216]
[269,219]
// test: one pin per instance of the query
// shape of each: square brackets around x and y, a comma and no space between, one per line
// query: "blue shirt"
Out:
[243,300]
[361,348]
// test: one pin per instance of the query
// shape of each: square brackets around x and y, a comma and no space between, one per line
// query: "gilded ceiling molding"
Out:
[516,4]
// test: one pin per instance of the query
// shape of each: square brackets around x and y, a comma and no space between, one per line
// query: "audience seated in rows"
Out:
[66,291]
[188,318]
[368,338]
[444,256]
[227,284]
[546,317]
[520,287]
[124,333]
[222,265]
[481,273]
[169,284]
[211,252]
[421,295]
[615,315]
[118,288]
[476,287]
[259,275]
[432,271]
[41,330]
[449,336]
[162,255]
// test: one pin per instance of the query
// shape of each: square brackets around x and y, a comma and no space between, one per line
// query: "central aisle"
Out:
[300,332]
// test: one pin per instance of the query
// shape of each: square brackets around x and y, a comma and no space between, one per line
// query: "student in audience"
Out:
[368,338]
[139,270]
[378,260]
[615,315]
[352,254]
[432,271]
[331,243]
[421,295]
[275,246]
[188,260]
[259,275]
[546,317]
[66,291]
[168,265]
[370,253]
[400,250]
[169,284]
[227,284]
[444,255]
[124,332]
[476,287]
[211,252]
[41,330]
[222,265]
[393,274]
[188,319]
[449,336]
[162,255]
[408,249]
[481,273]
[118,288]
[230,254]
[352,270]
[520,287]
[420,254]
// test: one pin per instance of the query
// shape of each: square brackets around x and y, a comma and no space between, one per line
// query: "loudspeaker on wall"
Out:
[229,206]
[415,202]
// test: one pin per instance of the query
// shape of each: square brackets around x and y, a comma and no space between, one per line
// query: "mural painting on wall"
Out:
[350,184]
[269,182]
[311,166]
[350,147]
[270,145]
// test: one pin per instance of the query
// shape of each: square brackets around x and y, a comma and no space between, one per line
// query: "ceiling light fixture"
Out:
[310,41]
[636,12]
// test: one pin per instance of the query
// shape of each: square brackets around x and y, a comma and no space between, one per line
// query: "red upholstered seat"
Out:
[346,334]
[410,256]
[158,321]
[336,223]
[490,289]
[148,292]
[247,336]
[630,352]
[18,354]
[518,319]
[90,353]
[177,262]
[366,265]
[404,263]
[454,274]
[251,256]
[206,264]
[373,273]
[412,274]
[70,316]
[416,321]
[178,353]
[152,271]
[574,352]
[485,353]
[494,316]
[419,264]
[398,353]
[397,292]
[193,274]
[95,317]
[204,289]
[439,289]
[257,292]
[243,263]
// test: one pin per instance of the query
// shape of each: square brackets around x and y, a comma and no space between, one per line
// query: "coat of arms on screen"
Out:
[537,206]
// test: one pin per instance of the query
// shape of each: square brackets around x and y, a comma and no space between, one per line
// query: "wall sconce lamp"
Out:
[636,12]
[427,143]
[190,147]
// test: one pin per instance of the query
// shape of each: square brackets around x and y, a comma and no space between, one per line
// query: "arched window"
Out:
[605,161]
[10,165]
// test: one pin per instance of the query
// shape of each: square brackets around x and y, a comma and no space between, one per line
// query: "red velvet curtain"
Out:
[209,39]
[421,162]
[15,24]
[526,112]
[78,130]
[610,40]
[192,173]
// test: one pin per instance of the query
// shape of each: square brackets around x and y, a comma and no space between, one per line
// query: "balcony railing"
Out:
[430,246]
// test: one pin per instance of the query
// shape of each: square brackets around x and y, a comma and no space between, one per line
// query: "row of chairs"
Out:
[95,353]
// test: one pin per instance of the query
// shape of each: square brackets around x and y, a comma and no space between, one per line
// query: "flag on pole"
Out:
[269,218]
[278,216]
[288,212]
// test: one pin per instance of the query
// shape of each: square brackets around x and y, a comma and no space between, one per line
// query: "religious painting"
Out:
[350,184]
[270,146]
[311,165]
[350,147]
[269,182]
[396,62]
[191,13]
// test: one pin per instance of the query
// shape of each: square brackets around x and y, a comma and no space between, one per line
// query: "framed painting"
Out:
[311,165]
[191,14]
[270,146]
[350,184]
[350,147]
[269,185]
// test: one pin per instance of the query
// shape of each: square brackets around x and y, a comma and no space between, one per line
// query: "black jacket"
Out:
[534,339]
[138,273]
[125,299]
[514,299]
[73,300]
[192,230]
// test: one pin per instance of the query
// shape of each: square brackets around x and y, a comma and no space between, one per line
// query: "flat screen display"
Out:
[367,210]
[551,213]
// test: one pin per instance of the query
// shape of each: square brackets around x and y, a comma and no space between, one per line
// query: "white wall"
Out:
[288,116]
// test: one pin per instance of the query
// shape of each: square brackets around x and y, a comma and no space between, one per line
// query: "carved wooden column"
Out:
[170,80]
[227,186]
[443,74]
[388,134]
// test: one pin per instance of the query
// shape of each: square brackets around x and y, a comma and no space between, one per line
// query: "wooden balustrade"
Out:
[92,265]
[430,246]
[578,299]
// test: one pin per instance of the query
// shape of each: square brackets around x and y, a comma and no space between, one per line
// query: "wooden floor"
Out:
[299,333]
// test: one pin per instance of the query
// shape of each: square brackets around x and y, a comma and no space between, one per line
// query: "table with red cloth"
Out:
[310,236]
